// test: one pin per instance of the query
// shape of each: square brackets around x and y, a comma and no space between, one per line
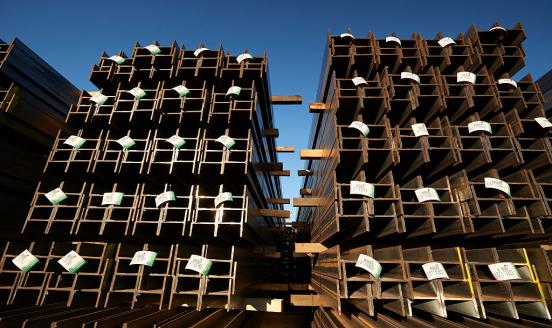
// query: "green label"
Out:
[199,264]
[56,196]
[235,90]
[75,142]
[137,93]
[223,197]
[226,141]
[126,142]
[177,141]
[182,90]
[99,99]
[118,59]
[72,262]
[153,49]
[25,261]
[112,198]
[146,258]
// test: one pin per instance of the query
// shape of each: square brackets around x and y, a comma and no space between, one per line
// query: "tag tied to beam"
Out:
[25,261]
[126,142]
[465,77]
[74,141]
[504,271]
[543,122]
[508,81]
[198,51]
[362,188]
[427,194]
[244,56]
[493,183]
[223,197]
[164,197]
[117,59]
[419,129]
[393,39]
[410,76]
[369,264]
[112,198]
[346,35]
[359,81]
[479,126]
[181,90]
[72,262]
[226,141]
[446,41]
[137,93]
[176,141]
[235,91]
[98,99]
[56,196]
[435,270]
[144,258]
[199,264]
[153,49]
[360,126]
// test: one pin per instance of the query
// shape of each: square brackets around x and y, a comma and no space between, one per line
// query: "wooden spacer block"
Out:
[284,214]
[285,149]
[281,173]
[304,173]
[314,153]
[271,133]
[317,107]
[305,300]
[286,100]
[306,202]
[305,191]
[304,248]
[278,200]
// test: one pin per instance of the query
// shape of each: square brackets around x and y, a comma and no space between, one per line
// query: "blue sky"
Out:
[71,35]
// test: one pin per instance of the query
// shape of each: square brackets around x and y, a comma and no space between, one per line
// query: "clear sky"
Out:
[71,35]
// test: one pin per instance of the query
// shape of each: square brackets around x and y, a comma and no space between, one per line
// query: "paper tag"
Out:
[425,194]
[198,51]
[137,93]
[243,57]
[465,77]
[363,128]
[346,35]
[99,99]
[223,197]
[359,81]
[497,184]
[112,198]
[25,261]
[393,39]
[182,90]
[75,141]
[56,196]
[176,141]
[479,126]
[164,197]
[419,129]
[199,264]
[72,262]
[544,122]
[435,270]
[369,264]
[504,271]
[143,258]
[226,141]
[118,59]
[153,49]
[126,142]
[362,188]
[508,81]
[410,76]
[446,41]
[499,28]
[235,90]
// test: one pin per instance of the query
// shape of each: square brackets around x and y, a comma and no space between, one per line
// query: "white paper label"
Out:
[419,129]
[498,28]
[497,184]
[72,262]
[226,141]
[393,39]
[99,99]
[465,77]
[435,270]
[75,141]
[363,128]
[544,122]
[346,35]
[223,197]
[199,264]
[112,198]
[235,90]
[143,258]
[243,57]
[164,197]
[182,90]
[410,76]
[126,142]
[362,188]
[369,264]
[504,271]
[425,194]
[137,93]
[479,126]
[359,81]
[56,196]
[508,81]
[176,141]
[25,261]
[446,41]
[198,51]
[153,49]
[118,59]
